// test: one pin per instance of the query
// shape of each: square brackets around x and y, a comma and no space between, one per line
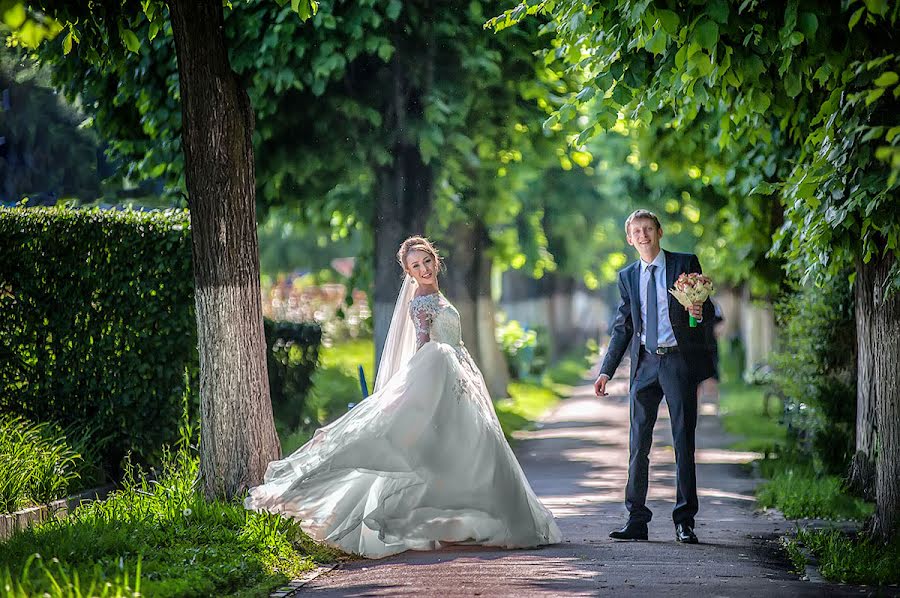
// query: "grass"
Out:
[741,407]
[37,465]
[159,538]
[798,491]
[335,385]
[529,399]
[793,485]
[852,560]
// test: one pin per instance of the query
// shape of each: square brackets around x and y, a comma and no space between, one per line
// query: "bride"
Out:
[423,461]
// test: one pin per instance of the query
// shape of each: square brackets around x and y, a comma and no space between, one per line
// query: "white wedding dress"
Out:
[420,463]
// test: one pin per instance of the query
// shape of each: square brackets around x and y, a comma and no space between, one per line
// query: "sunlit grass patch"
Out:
[166,537]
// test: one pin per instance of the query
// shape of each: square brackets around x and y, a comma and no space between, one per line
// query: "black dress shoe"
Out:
[684,533]
[632,531]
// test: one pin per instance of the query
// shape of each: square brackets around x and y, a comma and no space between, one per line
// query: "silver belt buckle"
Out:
[660,351]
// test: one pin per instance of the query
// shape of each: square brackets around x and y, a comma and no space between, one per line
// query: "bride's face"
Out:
[422,267]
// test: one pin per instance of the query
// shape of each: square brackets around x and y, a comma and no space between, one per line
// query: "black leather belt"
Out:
[661,350]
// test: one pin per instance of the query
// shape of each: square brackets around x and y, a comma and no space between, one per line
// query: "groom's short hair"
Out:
[641,214]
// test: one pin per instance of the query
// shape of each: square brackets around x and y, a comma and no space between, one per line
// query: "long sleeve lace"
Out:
[421,311]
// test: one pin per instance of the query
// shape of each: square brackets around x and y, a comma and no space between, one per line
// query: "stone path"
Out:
[577,464]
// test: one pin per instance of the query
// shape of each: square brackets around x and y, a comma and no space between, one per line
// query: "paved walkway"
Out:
[577,464]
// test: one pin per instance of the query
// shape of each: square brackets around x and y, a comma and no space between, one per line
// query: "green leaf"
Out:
[809,24]
[878,7]
[760,101]
[718,11]
[707,34]
[856,17]
[586,94]
[154,30]
[657,43]
[67,43]
[893,132]
[669,21]
[887,79]
[873,95]
[393,9]
[130,40]
[551,122]
[796,38]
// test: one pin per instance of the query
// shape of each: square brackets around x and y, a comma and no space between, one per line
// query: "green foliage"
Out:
[37,465]
[98,331]
[798,490]
[814,81]
[853,560]
[45,149]
[741,408]
[335,385]
[177,543]
[815,367]
[292,350]
[518,346]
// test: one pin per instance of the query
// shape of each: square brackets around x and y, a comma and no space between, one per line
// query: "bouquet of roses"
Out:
[691,288]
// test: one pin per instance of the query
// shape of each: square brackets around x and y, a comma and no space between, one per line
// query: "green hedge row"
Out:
[97,327]
[98,333]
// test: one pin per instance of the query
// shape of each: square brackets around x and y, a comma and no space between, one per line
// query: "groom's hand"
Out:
[600,385]
[696,310]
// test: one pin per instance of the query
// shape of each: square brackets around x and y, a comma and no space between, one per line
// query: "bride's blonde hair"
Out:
[418,244]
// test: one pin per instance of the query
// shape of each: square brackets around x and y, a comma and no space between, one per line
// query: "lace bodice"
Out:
[435,319]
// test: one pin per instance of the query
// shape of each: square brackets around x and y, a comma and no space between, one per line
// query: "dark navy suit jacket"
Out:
[626,332]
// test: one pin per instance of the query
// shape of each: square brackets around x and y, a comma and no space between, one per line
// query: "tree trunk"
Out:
[467,283]
[886,349]
[403,193]
[404,198]
[861,477]
[238,437]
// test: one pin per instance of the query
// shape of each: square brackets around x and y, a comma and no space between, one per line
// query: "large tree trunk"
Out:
[861,477]
[238,437]
[886,348]
[403,194]
[467,284]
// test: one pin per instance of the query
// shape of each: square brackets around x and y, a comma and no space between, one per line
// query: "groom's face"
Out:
[644,236]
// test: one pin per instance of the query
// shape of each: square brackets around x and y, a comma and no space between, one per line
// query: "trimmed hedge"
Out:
[98,332]
[97,327]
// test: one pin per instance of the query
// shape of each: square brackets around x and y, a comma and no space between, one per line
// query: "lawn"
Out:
[158,538]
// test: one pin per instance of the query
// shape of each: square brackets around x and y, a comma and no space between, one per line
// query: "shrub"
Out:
[524,349]
[814,370]
[98,333]
[97,323]
[292,356]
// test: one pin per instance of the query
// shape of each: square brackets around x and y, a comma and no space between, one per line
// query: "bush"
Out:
[292,356]
[98,333]
[524,349]
[97,324]
[815,372]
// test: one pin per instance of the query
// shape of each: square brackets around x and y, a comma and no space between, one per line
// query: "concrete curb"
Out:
[18,521]
[294,586]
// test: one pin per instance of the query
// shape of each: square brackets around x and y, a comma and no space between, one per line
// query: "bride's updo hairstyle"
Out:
[418,244]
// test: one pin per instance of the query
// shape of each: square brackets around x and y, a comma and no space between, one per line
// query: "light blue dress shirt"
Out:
[665,334]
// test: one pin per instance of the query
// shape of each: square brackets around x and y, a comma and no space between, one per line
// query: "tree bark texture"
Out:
[467,283]
[861,477]
[886,350]
[238,437]
[403,197]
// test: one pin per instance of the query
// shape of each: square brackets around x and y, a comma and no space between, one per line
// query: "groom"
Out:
[669,358]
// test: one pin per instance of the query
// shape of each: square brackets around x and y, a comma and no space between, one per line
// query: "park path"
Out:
[577,463]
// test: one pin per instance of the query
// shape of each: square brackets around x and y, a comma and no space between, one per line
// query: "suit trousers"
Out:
[656,376]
